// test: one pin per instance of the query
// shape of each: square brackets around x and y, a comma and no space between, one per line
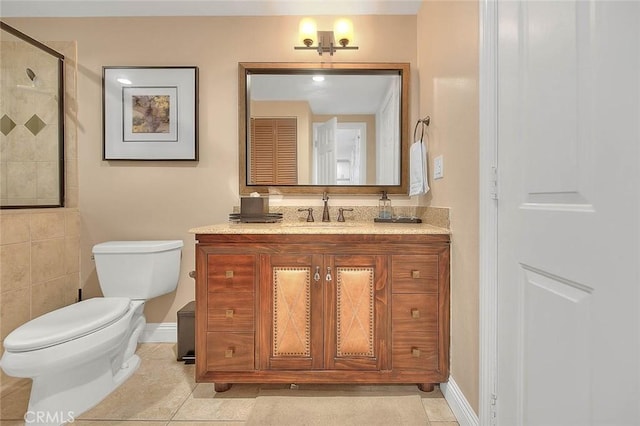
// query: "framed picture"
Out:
[150,113]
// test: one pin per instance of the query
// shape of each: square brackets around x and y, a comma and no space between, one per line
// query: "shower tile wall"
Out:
[40,248]
[39,264]
[28,127]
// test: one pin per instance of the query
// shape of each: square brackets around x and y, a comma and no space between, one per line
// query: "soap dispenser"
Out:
[384,207]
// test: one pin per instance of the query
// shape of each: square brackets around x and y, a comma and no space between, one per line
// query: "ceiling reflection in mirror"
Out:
[309,127]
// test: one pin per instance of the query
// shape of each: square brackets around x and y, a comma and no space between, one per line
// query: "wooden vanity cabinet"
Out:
[322,308]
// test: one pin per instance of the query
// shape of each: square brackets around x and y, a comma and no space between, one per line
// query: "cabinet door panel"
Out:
[291,311]
[230,311]
[355,296]
[291,314]
[227,272]
[415,273]
[356,307]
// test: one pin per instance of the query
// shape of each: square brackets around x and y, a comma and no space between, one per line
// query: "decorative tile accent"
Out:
[6,124]
[35,124]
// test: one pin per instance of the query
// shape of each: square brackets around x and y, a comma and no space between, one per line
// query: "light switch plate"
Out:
[438,167]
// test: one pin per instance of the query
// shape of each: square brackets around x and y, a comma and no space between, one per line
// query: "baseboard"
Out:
[459,404]
[164,332]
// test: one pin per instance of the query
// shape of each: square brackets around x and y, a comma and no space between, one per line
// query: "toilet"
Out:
[79,354]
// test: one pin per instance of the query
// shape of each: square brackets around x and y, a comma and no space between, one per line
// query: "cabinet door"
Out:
[356,312]
[291,306]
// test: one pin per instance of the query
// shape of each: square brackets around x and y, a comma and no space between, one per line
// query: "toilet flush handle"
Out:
[192,274]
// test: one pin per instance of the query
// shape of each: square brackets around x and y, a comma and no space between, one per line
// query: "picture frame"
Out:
[150,113]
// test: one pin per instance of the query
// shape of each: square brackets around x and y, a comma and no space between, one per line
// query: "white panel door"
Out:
[388,139]
[325,163]
[568,216]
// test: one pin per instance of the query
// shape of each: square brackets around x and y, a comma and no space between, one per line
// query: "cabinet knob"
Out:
[228,313]
[415,352]
[228,274]
[415,313]
[229,353]
[192,274]
[415,274]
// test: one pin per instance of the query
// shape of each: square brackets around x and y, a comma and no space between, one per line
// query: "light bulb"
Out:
[343,29]
[307,31]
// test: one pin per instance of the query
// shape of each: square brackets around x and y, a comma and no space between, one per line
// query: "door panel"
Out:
[356,312]
[291,321]
[568,324]
[292,311]
[325,164]
[555,313]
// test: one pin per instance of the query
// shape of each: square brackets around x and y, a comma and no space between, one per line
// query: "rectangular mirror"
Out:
[308,128]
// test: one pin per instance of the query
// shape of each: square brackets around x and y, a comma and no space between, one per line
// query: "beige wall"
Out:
[138,200]
[448,69]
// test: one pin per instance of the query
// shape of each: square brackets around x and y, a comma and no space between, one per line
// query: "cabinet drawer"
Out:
[230,311]
[414,313]
[230,272]
[230,351]
[417,351]
[415,274]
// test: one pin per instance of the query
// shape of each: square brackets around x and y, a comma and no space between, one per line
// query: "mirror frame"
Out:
[247,68]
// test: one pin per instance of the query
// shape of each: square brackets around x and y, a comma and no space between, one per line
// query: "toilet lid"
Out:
[67,323]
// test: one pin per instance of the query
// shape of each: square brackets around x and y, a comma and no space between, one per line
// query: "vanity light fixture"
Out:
[326,40]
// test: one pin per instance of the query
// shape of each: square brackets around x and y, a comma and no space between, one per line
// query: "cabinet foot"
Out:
[221,387]
[426,387]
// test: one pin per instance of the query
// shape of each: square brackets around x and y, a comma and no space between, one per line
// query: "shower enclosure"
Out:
[31,122]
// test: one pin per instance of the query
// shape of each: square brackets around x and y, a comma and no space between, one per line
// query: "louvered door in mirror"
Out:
[273,151]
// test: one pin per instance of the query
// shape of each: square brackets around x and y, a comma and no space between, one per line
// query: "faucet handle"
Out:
[310,215]
[341,213]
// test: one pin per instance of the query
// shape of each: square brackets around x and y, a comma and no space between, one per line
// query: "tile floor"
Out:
[163,392]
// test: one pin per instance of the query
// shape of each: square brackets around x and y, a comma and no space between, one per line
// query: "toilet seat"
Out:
[68,323]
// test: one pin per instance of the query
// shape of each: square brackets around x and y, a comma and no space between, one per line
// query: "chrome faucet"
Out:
[325,211]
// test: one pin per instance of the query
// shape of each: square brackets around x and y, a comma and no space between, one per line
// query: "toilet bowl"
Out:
[79,354]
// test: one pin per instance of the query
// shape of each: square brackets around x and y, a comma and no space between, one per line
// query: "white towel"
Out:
[418,183]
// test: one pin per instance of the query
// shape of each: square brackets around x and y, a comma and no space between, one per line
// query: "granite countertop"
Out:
[368,227]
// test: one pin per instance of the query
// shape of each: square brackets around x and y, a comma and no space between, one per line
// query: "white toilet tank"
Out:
[138,270]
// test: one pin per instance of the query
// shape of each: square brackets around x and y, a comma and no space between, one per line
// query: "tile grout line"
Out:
[182,404]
